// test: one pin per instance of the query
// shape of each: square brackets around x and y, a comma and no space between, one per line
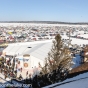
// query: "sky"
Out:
[44,10]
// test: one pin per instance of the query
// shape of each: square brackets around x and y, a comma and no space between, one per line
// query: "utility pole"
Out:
[69,33]
[69,36]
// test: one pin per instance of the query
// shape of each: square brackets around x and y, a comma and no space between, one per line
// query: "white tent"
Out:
[7,50]
[37,54]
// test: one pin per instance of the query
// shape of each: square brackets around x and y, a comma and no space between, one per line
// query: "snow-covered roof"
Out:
[8,48]
[80,81]
[33,42]
[38,49]
[21,49]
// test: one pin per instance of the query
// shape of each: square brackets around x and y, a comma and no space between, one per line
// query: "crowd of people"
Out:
[42,80]
[38,81]
[7,69]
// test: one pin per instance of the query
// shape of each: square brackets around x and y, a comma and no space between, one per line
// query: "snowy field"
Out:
[76,40]
[79,41]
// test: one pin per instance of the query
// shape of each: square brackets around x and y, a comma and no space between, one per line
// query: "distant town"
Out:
[25,44]
[20,32]
[46,22]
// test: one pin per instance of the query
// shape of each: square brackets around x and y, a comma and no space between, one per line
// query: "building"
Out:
[29,54]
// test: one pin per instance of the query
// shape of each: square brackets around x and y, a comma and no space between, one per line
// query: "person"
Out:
[15,73]
[16,66]
[9,75]
[27,73]
[20,77]
[29,76]
[21,69]
[5,76]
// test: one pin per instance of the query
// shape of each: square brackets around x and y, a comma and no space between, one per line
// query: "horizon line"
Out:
[51,22]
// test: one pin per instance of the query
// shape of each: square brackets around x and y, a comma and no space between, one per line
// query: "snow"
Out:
[38,24]
[76,60]
[3,77]
[84,35]
[80,81]
[77,84]
[78,41]
[7,82]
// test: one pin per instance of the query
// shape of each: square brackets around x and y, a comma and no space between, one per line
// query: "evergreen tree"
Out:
[58,58]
